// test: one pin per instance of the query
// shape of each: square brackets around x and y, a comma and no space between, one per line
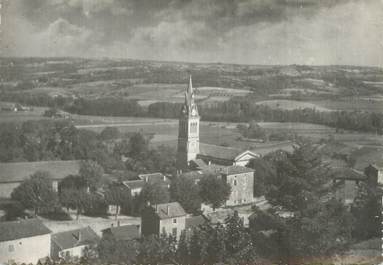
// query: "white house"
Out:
[24,241]
[72,244]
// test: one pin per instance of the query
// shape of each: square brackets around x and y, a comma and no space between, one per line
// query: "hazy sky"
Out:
[233,31]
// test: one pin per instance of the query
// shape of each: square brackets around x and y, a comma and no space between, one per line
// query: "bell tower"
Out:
[188,130]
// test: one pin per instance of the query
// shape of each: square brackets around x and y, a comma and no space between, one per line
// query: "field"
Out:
[291,104]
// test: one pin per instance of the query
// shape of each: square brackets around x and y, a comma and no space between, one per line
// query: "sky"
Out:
[312,32]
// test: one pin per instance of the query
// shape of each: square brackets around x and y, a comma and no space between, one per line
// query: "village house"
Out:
[24,241]
[240,179]
[345,184]
[13,174]
[374,173]
[73,243]
[135,186]
[166,218]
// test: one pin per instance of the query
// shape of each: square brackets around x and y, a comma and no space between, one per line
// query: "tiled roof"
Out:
[348,173]
[77,237]
[22,229]
[194,221]
[17,172]
[169,210]
[378,164]
[220,152]
[125,232]
[226,170]
[199,163]
[153,177]
[134,184]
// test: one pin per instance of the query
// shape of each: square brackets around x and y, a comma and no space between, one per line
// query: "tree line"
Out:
[234,110]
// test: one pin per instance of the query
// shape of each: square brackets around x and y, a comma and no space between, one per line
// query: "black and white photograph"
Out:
[191,132]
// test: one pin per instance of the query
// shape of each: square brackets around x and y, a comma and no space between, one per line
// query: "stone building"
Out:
[24,241]
[73,243]
[166,218]
[13,174]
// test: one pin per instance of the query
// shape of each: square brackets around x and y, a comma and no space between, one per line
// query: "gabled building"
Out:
[374,173]
[166,218]
[24,241]
[240,179]
[72,244]
[214,154]
[13,174]
[135,186]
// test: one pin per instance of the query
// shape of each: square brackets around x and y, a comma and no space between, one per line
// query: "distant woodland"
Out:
[234,110]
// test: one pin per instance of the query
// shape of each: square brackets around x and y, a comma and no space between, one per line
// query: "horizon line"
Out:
[182,61]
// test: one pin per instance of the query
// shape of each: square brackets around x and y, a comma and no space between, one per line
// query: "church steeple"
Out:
[190,108]
[188,130]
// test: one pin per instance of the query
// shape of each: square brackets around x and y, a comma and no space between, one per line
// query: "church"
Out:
[191,153]
[195,159]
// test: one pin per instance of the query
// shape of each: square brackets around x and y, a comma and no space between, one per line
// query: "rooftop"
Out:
[194,221]
[125,232]
[22,229]
[226,170]
[18,171]
[169,210]
[220,152]
[77,237]
[134,184]
[349,174]
[153,177]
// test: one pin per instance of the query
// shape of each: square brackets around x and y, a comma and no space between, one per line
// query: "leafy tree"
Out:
[183,253]
[118,195]
[75,198]
[321,229]
[138,145]
[238,243]
[91,173]
[114,251]
[157,249]
[214,191]
[264,171]
[299,180]
[268,233]
[186,192]
[110,133]
[155,193]
[366,212]
[36,192]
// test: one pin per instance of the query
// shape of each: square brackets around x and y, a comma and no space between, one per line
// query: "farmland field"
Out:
[291,105]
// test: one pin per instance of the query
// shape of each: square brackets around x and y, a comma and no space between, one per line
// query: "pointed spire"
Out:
[190,88]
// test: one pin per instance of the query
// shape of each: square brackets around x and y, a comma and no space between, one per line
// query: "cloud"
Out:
[90,7]
[242,31]
[347,34]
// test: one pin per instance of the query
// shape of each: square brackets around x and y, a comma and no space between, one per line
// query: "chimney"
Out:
[167,209]
[164,178]
[209,163]
[146,179]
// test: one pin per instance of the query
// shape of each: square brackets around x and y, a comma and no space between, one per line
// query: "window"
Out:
[11,248]
[193,127]
[174,221]
[174,232]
